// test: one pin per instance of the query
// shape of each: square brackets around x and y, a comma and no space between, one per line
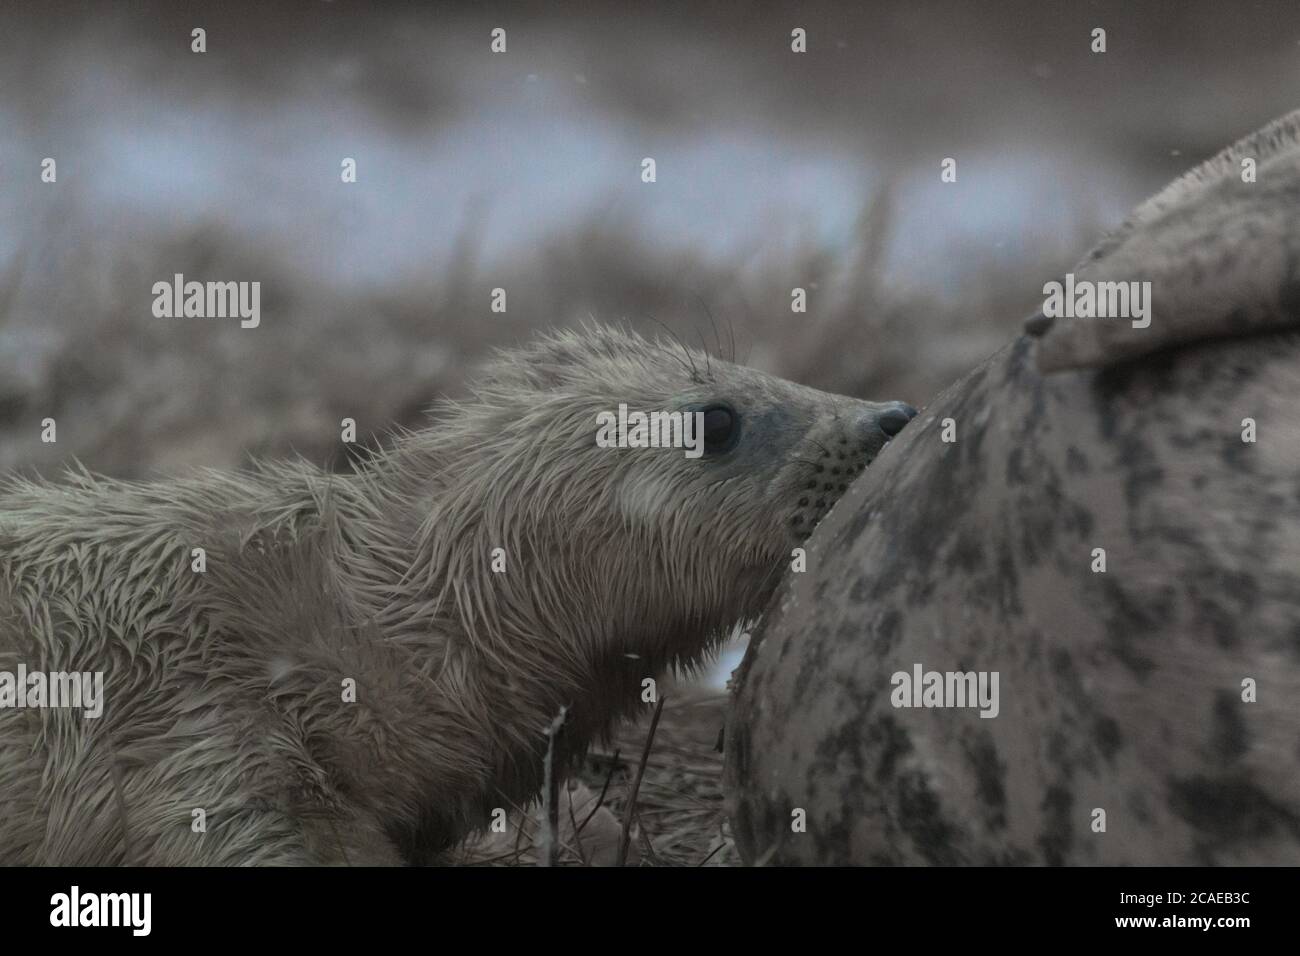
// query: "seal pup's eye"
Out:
[721,428]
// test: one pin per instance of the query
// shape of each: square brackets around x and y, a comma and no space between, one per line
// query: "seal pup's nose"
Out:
[892,420]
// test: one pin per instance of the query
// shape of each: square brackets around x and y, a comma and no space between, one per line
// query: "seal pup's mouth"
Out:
[839,464]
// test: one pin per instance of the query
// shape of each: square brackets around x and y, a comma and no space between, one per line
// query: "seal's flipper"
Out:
[1222,256]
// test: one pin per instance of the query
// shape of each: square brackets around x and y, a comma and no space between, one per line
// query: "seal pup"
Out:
[312,668]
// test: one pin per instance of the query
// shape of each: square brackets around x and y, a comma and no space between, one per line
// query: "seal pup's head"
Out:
[555,555]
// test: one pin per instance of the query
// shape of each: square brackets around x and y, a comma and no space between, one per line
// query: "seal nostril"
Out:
[893,420]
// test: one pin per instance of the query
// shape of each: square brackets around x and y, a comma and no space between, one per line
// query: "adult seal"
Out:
[1058,622]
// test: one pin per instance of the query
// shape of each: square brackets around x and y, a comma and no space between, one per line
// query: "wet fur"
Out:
[224,689]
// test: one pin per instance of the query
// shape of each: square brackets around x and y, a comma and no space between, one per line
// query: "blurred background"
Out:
[521,170]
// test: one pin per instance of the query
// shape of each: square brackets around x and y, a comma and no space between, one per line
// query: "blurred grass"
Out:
[133,397]
[884,85]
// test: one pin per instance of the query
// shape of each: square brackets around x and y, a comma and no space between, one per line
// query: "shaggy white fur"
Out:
[224,689]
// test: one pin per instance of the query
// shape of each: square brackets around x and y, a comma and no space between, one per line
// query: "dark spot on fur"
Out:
[1008,581]
[1230,738]
[968,554]
[982,754]
[1058,834]
[1061,752]
[1016,466]
[1289,298]
[842,748]
[1139,805]
[1066,677]
[1222,598]
[1142,471]
[888,734]
[887,632]
[1106,735]
[1076,463]
[1185,440]
[812,663]
[1039,507]
[920,816]
[1128,620]
[1079,521]
[1229,810]
[1236,454]
[1017,364]
[833,838]
[860,593]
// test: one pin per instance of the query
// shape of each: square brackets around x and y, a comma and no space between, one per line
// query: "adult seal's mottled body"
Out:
[1127,690]
[225,688]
